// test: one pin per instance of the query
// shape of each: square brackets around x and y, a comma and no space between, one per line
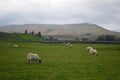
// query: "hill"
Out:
[18,37]
[68,31]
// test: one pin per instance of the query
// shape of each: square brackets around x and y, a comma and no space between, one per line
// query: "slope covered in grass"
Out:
[18,37]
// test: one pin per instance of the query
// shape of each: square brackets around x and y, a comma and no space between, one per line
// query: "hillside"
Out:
[18,37]
[61,31]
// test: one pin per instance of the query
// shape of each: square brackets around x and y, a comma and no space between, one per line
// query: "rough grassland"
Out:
[59,62]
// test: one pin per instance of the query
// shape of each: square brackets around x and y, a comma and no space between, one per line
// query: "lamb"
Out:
[33,57]
[92,51]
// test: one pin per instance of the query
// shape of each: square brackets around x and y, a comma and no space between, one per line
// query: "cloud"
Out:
[102,12]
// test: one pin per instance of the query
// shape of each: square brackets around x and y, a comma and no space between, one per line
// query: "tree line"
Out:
[99,38]
[33,33]
[107,38]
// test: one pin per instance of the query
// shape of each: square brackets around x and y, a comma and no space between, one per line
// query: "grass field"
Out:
[59,62]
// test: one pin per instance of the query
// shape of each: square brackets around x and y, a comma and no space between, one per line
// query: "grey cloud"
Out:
[102,12]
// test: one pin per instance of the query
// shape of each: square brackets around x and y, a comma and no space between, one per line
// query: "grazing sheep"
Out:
[15,46]
[70,46]
[33,57]
[92,51]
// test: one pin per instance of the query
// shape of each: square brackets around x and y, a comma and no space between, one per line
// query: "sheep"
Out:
[15,46]
[70,46]
[92,51]
[33,57]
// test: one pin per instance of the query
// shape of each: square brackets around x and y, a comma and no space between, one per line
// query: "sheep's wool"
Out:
[33,57]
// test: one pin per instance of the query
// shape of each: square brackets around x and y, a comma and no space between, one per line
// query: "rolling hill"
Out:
[61,31]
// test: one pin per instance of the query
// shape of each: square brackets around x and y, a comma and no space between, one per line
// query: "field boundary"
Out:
[84,42]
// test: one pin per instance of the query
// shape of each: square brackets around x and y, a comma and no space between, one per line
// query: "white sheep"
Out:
[70,46]
[92,51]
[33,57]
[15,46]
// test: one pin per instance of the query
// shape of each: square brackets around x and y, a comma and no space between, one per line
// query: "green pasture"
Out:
[59,62]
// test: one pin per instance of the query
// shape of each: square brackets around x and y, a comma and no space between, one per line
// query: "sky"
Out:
[105,13]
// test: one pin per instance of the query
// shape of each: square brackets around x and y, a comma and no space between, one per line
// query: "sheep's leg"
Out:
[28,61]
[36,60]
[33,61]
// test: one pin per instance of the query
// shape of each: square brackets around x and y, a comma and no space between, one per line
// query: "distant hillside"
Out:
[18,37]
[61,31]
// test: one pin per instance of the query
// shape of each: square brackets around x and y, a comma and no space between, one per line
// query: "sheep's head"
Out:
[88,48]
[40,61]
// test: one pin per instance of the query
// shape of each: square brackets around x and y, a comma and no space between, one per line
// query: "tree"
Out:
[106,38]
[26,31]
[32,32]
[77,39]
[110,37]
[101,38]
[39,34]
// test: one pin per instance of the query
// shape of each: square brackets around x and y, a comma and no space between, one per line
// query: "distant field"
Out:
[59,62]
[18,37]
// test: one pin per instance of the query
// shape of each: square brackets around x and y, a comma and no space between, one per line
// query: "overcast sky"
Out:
[105,13]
